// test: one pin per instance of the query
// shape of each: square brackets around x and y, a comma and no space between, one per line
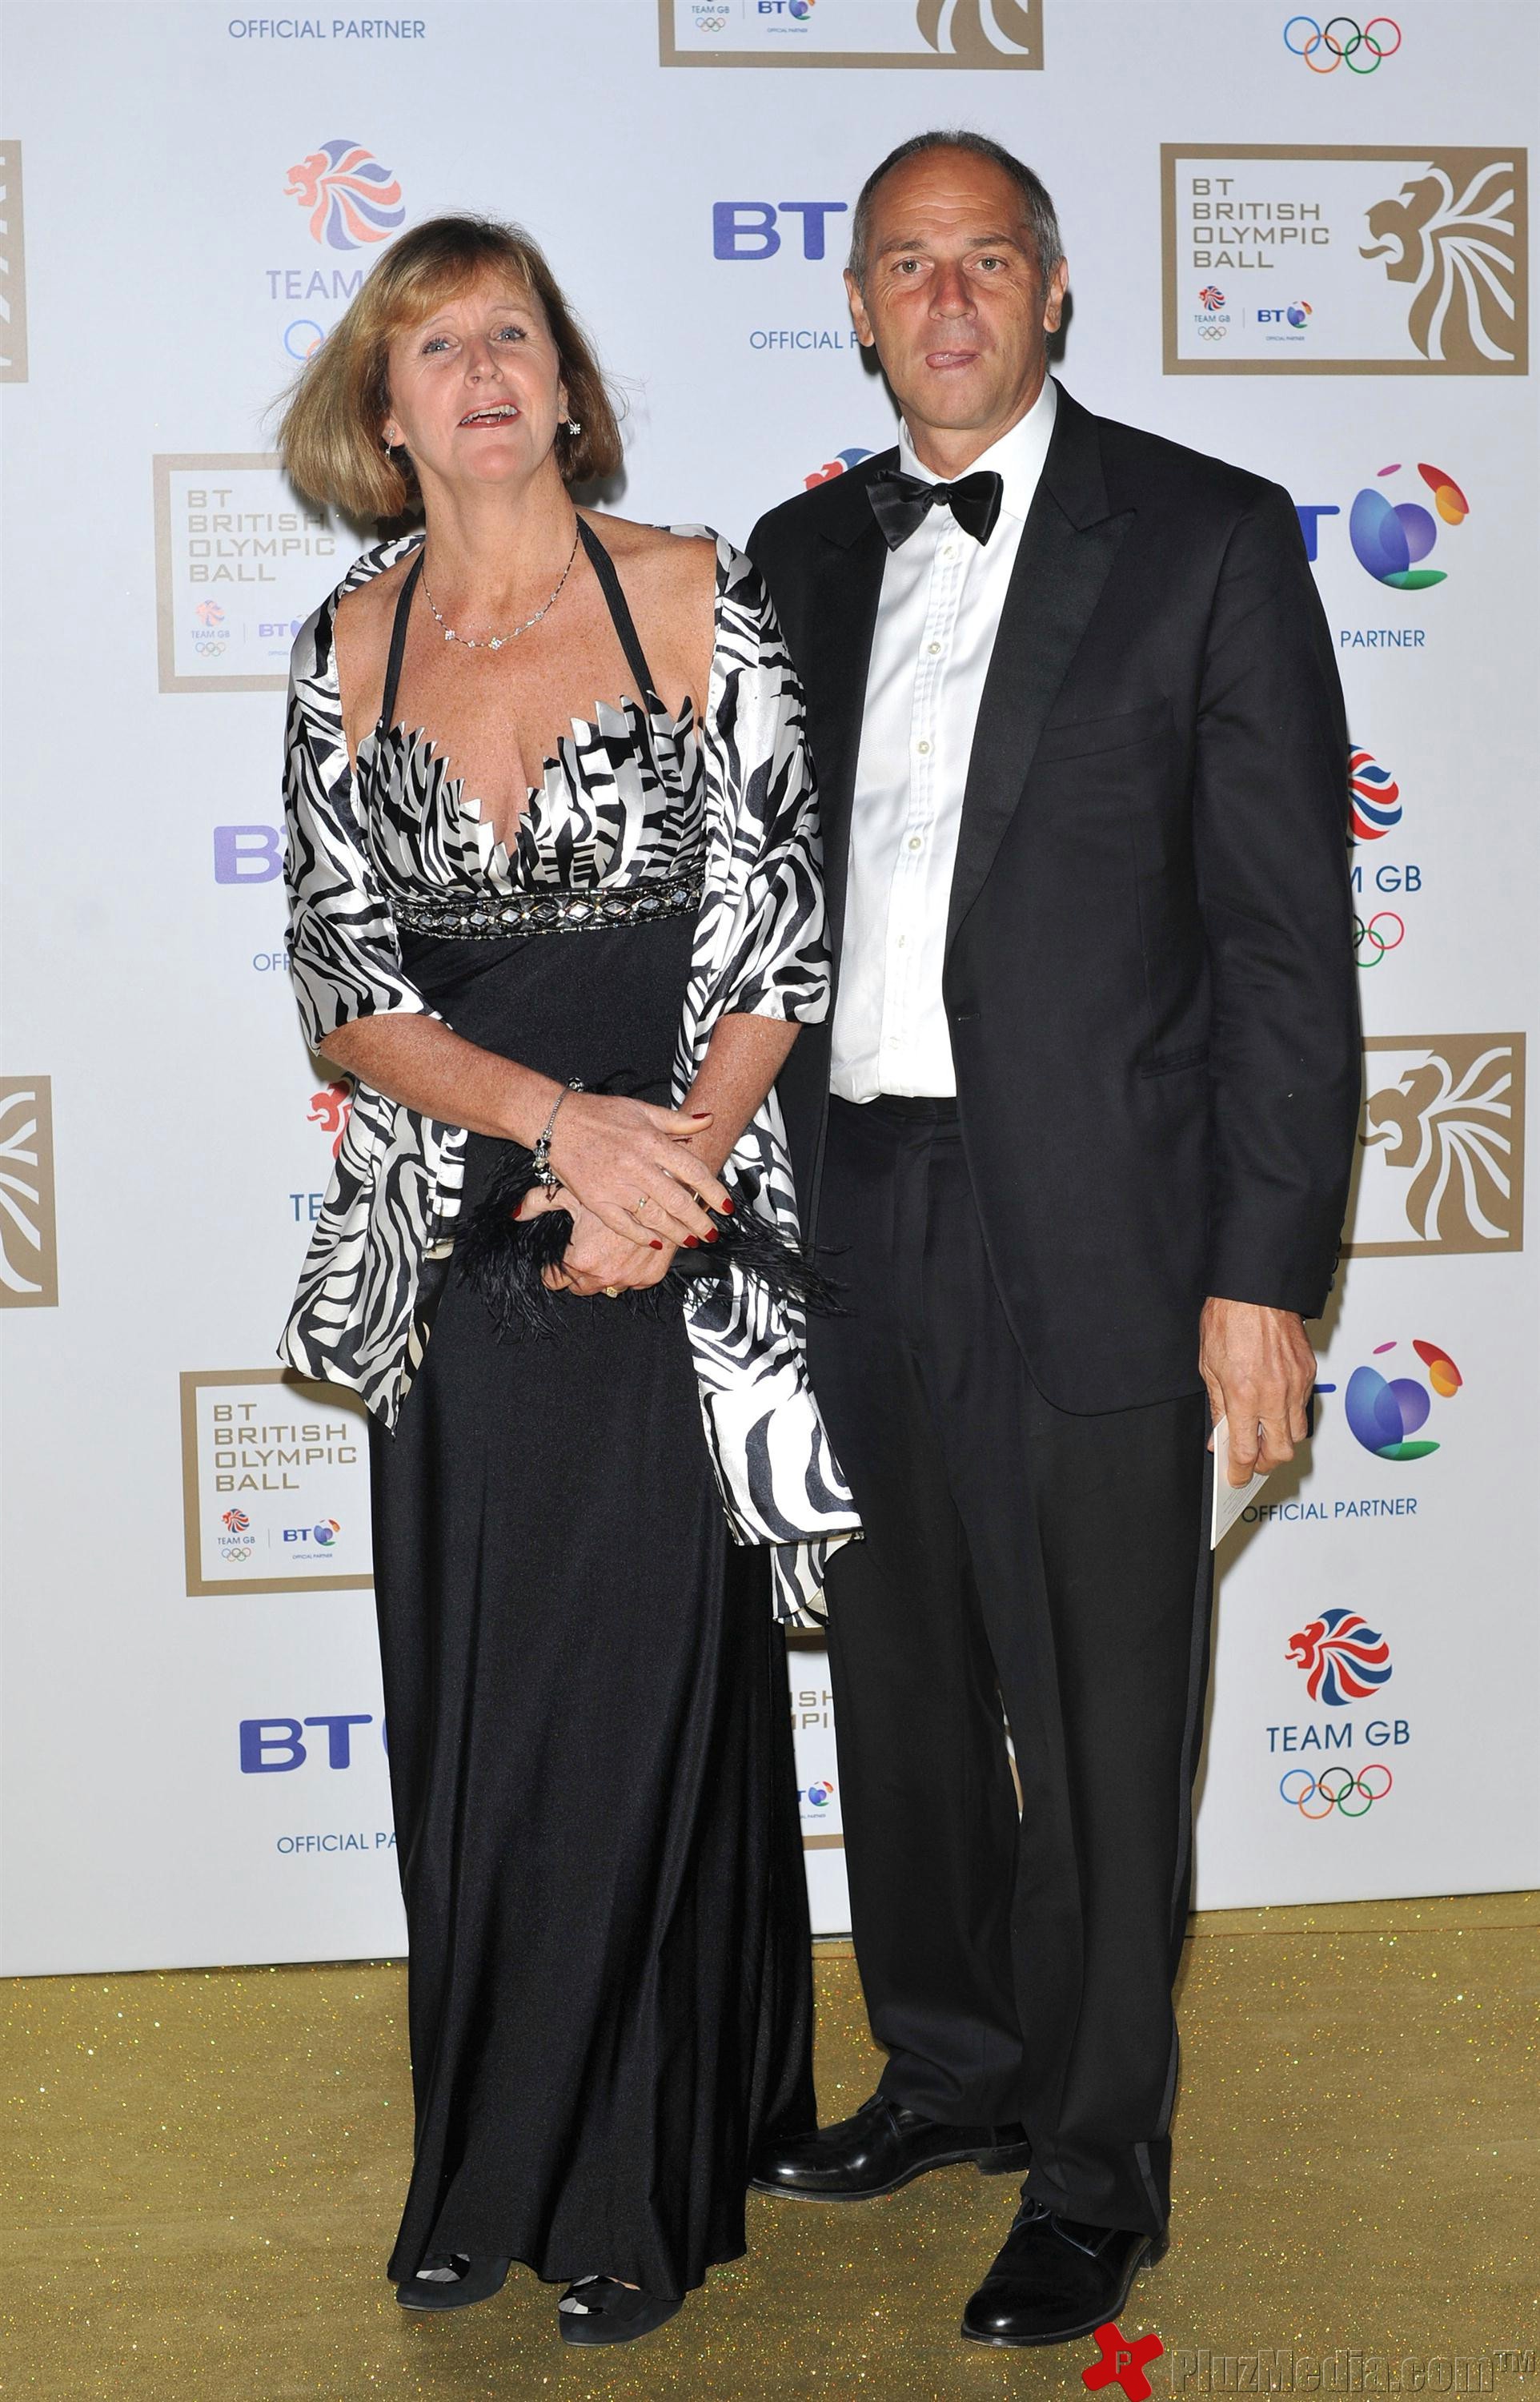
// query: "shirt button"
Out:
[950,550]
[915,843]
[935,650]
[923,748]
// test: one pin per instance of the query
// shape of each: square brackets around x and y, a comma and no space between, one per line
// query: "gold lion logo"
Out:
[28,1266]
[1451,1125]
[977,31]
[1452,235]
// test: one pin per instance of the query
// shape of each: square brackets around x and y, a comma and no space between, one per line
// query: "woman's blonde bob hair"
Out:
[331,435]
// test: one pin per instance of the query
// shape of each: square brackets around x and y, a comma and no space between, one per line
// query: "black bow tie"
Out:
[899,501]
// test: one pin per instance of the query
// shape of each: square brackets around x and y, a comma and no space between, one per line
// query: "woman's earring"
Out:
[572,425]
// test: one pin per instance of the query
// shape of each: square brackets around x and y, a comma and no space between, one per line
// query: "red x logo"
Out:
[1122,2363]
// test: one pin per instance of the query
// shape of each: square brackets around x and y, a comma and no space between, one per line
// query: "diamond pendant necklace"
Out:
[496,642]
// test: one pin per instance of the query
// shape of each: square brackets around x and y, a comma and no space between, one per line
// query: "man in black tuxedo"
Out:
[1076,1141]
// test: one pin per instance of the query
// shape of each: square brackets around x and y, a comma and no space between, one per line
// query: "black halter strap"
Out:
[398,639]
[609,584]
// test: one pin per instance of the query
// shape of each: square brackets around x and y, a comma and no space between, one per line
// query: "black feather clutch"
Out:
[505,1259]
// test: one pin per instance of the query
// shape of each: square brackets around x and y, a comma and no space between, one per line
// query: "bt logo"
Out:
[247,854]
[326,1534]
[271,1747]
[1389,539]
[1298,314]
[749,228]
[820,1794]
[800,9]
[1384,1415]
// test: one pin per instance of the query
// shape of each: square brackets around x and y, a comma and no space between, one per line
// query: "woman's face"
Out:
[476,389]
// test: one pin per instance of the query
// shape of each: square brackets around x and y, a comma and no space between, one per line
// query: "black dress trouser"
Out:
[1021,1566]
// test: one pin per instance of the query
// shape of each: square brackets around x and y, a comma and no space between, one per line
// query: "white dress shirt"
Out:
[937,617]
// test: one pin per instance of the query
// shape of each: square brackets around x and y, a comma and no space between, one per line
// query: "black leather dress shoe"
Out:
[1056,2278]
[882,2147]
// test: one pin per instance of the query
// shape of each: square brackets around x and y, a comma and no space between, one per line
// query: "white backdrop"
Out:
[193,1760]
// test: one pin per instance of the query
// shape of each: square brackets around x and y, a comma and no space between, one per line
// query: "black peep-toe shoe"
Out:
[472,2281]
[601,2310]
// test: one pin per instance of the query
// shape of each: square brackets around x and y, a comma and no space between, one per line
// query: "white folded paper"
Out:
[1228,1500]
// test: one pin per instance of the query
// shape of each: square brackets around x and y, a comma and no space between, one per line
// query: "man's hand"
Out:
[1258,1367]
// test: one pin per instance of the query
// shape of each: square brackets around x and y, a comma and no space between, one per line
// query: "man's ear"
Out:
[1058,285]
[858,317]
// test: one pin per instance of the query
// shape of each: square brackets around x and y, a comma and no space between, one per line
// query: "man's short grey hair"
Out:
[1036,204]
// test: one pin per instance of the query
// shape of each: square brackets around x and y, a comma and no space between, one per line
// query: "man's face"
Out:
[952,296]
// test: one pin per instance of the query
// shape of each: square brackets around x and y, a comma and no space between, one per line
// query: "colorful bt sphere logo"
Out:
[326,1533]
[1376,798]
[1298,312]
[820,1795]
[1389,539]
[1385,1413]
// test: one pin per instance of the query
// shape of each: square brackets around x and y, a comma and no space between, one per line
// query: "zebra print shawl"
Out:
[380,1248]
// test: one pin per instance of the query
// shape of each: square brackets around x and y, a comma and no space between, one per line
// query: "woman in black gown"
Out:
[583,980]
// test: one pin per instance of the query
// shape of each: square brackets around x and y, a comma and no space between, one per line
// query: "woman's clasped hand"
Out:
[634,1188]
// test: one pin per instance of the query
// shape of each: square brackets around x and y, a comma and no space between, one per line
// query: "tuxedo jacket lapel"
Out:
[1067,548]
[844,614]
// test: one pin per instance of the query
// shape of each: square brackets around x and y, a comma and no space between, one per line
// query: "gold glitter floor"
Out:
[205,2172]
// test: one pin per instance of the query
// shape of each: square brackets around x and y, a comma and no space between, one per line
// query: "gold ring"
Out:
[612,1291]
[641,1204]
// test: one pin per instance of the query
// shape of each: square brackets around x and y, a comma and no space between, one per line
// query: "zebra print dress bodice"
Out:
[614,832]
[638,812]
[620,811]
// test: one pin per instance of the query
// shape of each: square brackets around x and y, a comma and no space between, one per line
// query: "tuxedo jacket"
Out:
[1148,968]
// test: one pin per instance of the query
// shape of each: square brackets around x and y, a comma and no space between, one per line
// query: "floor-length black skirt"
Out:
[590,1741]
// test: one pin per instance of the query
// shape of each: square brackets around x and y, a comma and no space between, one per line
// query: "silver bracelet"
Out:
[543,1173]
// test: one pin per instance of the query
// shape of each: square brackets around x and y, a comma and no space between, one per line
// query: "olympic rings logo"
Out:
[1385,932]
[1314,1790]
[1339,42]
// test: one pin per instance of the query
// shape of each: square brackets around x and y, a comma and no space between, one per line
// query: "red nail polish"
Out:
[728,1207]
[655,1244]
[713,1237]
[692,1243]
